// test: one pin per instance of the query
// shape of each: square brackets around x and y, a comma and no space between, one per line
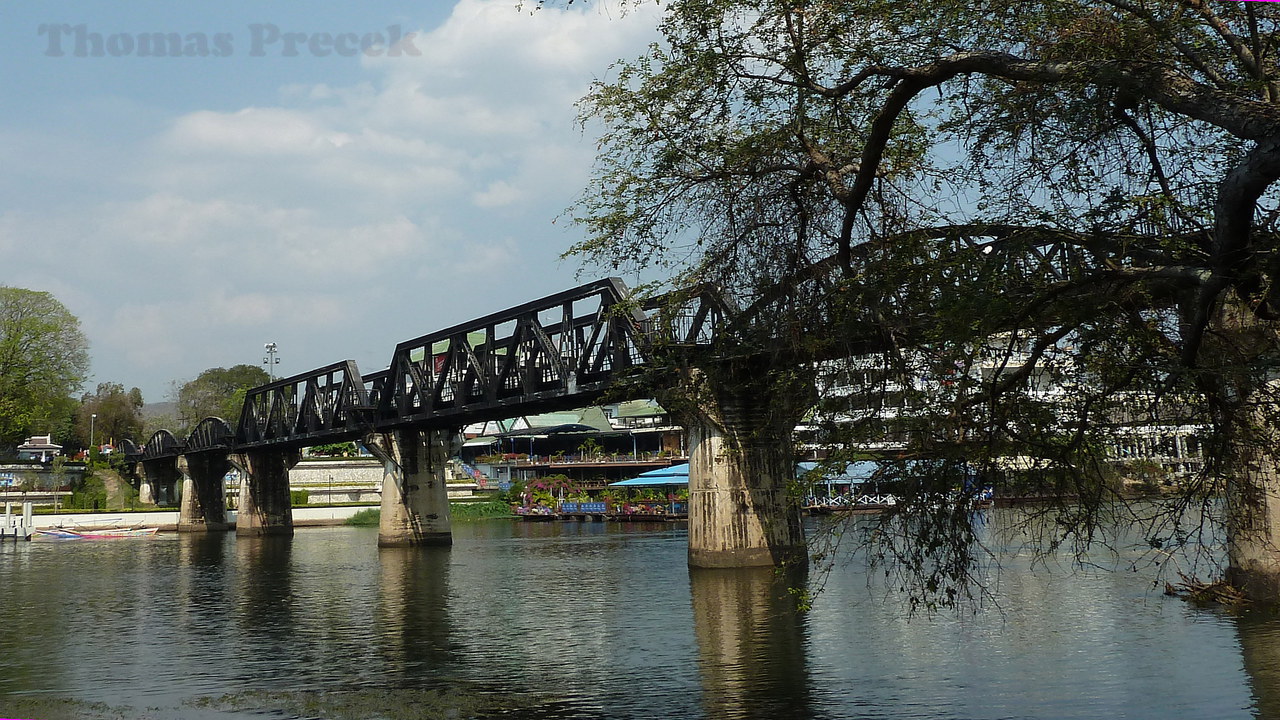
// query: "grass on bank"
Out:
[458,512]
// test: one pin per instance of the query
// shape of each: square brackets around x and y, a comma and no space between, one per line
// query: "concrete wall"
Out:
[350,480]
[42,476]
[344,472]
[168,520]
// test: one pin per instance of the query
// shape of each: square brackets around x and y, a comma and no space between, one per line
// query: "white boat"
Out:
[97,533]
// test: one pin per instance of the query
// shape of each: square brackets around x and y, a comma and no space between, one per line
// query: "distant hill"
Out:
[151,410]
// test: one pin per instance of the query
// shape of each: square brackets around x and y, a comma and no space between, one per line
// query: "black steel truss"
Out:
[558,352]
[324,405]
[212,433]
[162,444]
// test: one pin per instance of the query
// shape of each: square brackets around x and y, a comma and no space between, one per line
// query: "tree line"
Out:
[44,365]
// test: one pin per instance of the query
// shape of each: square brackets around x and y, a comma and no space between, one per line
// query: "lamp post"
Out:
[92,418]
[271,360]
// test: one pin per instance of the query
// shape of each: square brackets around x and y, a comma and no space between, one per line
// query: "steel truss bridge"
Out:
[560,352]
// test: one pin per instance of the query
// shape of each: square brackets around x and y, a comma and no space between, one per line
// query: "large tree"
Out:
[44,358]
[217,392]
[1029,223]
[111,414]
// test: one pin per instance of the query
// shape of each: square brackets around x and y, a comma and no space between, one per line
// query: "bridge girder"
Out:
[557,352]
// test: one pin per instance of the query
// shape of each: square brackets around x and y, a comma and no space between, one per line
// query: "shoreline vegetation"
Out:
[458,512]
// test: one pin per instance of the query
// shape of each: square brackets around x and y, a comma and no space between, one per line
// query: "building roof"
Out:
[639,408]
[39,442]
[674,475]
[545,430]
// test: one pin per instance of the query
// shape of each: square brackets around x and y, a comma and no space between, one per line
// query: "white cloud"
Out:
[420,195]
[498,194]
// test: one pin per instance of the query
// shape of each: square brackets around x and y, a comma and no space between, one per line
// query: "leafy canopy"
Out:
[217,392]
[44,358]
[1023,227]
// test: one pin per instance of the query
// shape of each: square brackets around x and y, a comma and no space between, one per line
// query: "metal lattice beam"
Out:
[558,352]
[325,405]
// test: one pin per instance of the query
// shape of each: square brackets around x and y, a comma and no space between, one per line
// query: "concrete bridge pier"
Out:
[265,507]
[204,497]
[415,501]
[741,468]
[741,513]
[158,478]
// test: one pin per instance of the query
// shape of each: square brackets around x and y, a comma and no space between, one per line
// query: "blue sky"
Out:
[190,209]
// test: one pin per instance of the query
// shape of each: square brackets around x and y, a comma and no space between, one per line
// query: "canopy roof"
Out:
[674,475]
[854,473]
[562,429]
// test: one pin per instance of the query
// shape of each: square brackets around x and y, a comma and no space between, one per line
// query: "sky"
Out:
[331,178]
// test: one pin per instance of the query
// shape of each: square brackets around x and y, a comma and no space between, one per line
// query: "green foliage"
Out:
[118,416]
[550,489]
[1015,227]
[298,498]
[334,449]
[514,494]
[590,448]
[89,494]
[44,358]
[217,392]
[467,511]
[365,518]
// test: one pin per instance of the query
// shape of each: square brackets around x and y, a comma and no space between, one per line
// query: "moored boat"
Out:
[96,533]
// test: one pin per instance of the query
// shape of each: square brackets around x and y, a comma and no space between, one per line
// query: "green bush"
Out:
[298,497]
[90,494]
[464,511]
[514,495]
[365,518]
[334,449]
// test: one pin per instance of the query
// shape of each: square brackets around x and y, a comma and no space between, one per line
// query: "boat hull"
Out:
[96,534]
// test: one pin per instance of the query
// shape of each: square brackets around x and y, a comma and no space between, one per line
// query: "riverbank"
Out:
[167,520]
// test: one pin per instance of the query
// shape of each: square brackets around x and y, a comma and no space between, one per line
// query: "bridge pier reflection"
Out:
[415,629]
[415,500]
[1260,647]
[751,642]
[265,507]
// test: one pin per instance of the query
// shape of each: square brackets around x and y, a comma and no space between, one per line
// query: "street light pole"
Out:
[271,360]
[92,417]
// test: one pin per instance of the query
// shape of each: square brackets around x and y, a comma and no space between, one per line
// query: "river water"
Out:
[550,620]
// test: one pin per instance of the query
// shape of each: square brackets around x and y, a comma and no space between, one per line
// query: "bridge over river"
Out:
[559,352]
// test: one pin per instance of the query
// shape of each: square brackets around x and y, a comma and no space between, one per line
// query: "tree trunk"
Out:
[1243,402]
[1253,498]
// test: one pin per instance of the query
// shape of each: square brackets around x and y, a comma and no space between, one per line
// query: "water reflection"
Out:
[265,584]
[588,622]
[412,618]
[1260,646]
[750,643]
[200,589]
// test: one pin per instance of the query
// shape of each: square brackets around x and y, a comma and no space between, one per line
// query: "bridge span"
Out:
[559,352]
